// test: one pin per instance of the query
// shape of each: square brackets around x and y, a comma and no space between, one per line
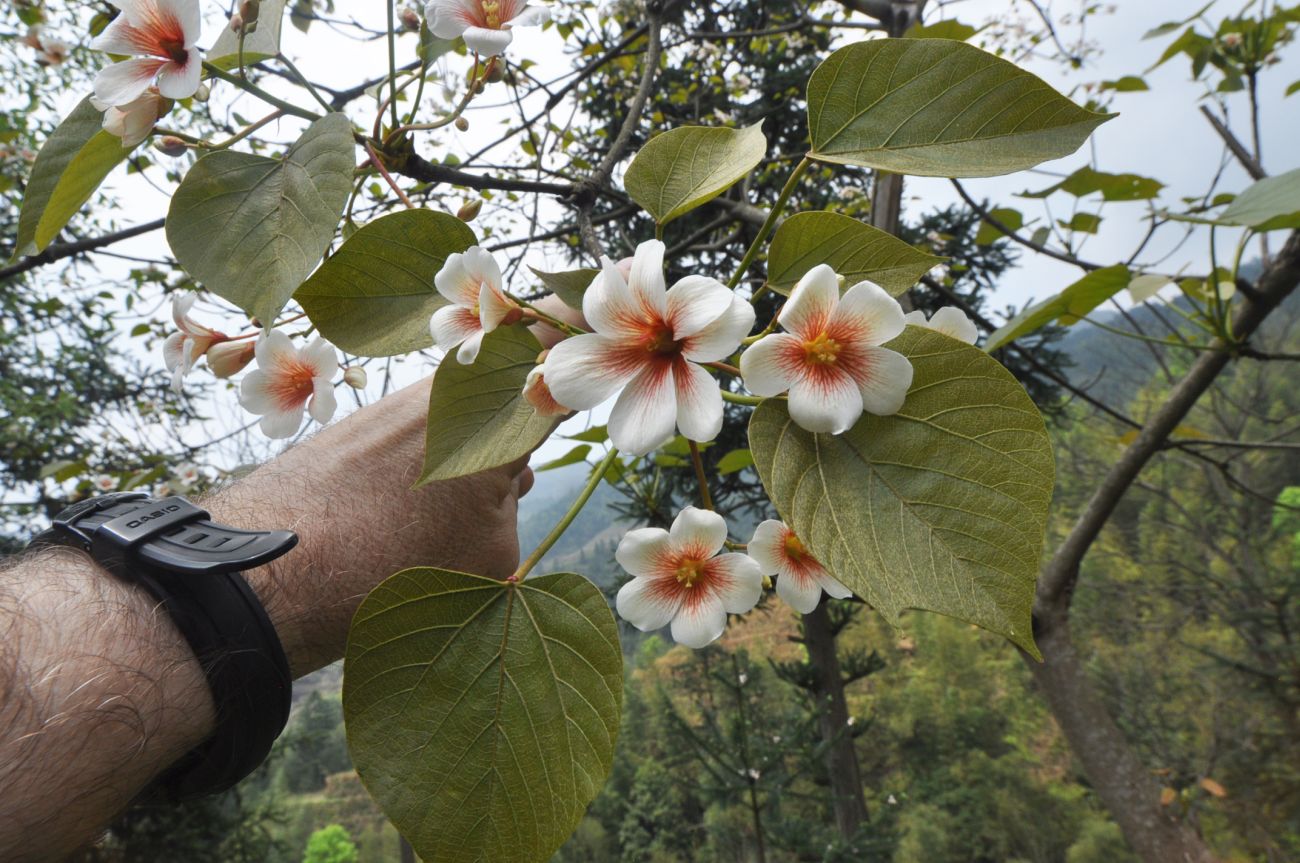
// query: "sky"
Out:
[1158,133]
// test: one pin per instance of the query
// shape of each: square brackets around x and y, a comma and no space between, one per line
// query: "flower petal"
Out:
[120,37]
[800,590]
[888,378]
[645,413]
[584,371]
[694,303]
[274,348]
[468,351]
[767,546]
[698,533]
[644,552]
[280,424]
[122,83]
[448,19]
[738,583]
[321,358]
[493,306]
[609,305]
[721,338]
[530,16]
[916,318]
[831,585]
[487,42]
[255,393]
[828,404]
[186,14]
[771,365]
[811,303]
[451,325]
[869,313]
[181,80]
[173,351]
[646,279]
[699,621]
[952,321]
[322,404]
[648,603]
[457,282]
[699,401]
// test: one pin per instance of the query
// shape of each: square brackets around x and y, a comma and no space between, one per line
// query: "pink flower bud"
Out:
[170,145]
[236,23]
[355,377]
[410,18]
[229,358]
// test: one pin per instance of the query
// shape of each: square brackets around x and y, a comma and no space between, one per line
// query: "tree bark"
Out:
[847,799]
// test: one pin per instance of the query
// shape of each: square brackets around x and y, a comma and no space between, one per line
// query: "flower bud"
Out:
[512,317]
[410,19]
[250,9]
[355,377]
[462,124]
[170,145]
[202,94]
[229,358]
[469,210]
[495,74]
[1232,40]
[236,23]
[539,395]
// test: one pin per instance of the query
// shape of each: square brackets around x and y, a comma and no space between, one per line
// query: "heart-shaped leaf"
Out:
[72,163]
[251,228]
[938,108]
[854,249]
[261,44]
[1069,306]
[478,416]
[683,168]
[481,715]
[374,296]
[940,507]
[1270,204]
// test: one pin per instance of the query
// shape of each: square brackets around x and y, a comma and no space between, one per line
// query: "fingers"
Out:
[524,482]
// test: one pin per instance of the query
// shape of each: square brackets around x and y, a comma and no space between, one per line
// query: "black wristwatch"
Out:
[192,565]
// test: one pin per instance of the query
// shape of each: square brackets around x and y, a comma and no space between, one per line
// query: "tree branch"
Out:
[1238,149]
[67,250]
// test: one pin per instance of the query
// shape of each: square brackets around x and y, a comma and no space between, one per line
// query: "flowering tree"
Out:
[910,468]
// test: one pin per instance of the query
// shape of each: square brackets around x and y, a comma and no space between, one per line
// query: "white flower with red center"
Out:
[950,320]
[647,347]
[182,350]
[679,578]
[159,36]
[133,121]
[471,282]
[103,482]
[830,357]
[800,577]
[287,380]
[188,473]
[539,395]
[484,24]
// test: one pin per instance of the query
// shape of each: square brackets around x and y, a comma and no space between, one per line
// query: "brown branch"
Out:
[67,250]
[417,168]
[1238,149]
[1056,585]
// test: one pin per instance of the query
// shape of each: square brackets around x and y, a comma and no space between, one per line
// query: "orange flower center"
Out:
[795,549]
[174,48]
[822,350]
[661,342]
[689,571]
[492,13]
[292,385]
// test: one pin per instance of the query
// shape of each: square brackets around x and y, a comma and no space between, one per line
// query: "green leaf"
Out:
[261,44]
[374,296]
[481,715]
[72,163]
[251,228]
[1126,84]
[1113,187]
[1271,204]
[569,285]
[478,416]
[1068,306]
[683,168]
[735,461]
[595,434]
[949,29]
[1292,90]
[938,108]
[1011,218]
[1171,26]
[941,507]
[573,456]
[854,249]
[64,470]
[1086,223]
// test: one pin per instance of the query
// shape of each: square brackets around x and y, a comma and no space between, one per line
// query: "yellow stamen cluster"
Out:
[689,571]
[822,350]
[795,549]
[492,12]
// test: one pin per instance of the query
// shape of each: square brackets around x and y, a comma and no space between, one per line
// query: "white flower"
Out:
[1232,40]
[829,357]
[950,320]
[160,36]
[182,350]
[800,577]
[485,24]
[287,379]
[471,282]
[648,344]
[188,473]
[229,358]
[679,577]
[133,121]
[103,482]
[539,394]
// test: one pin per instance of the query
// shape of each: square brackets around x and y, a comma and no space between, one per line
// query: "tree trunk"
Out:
[847,799]
[1125,786]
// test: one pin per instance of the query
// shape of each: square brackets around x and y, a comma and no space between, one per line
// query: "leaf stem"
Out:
[698,463]
[738,399]
[302,79]
[250,87]
[770,221]
[597,474]
[392,63]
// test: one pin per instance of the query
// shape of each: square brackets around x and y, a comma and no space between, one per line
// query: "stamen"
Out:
[822,350]
[689,571]
[492,13]
[794,548]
